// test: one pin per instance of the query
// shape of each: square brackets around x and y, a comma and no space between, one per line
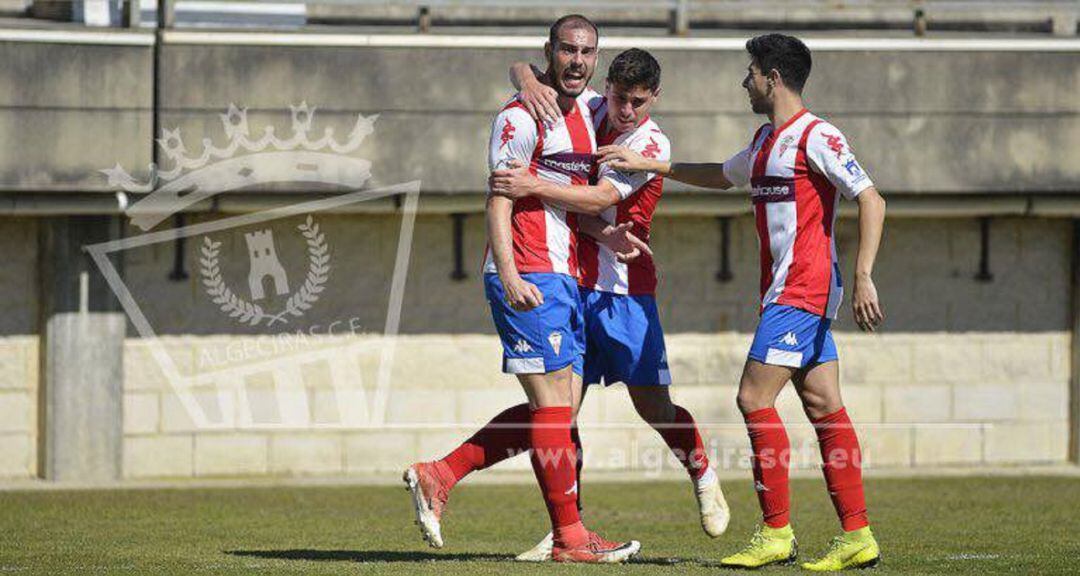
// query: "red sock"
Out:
[769,441]
[505,436]
[843,468]
[553,461]
[683,439]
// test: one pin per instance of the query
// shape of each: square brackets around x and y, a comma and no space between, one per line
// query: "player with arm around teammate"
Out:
[798,166]
[624,337]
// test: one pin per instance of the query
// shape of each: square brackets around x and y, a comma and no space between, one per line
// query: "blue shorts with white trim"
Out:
[788,336]
[545,339]
[624,341]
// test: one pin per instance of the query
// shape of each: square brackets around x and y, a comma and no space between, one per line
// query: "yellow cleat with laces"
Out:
[767,546]
[855,549]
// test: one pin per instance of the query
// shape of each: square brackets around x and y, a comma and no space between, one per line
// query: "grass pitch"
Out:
[1026,525]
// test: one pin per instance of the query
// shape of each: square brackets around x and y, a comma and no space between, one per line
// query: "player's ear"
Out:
[773,78]
[547,52]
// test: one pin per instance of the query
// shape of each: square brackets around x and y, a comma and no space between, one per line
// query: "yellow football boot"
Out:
[767,546]
[855,549]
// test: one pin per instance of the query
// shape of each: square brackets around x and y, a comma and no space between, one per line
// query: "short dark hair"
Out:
[635,67]
[785,54]
[573,21]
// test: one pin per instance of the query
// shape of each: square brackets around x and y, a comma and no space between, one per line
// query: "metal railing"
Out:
[1061,14]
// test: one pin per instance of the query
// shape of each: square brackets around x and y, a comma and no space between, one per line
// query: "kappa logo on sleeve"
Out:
[652,149]
[835,143]
[508,130]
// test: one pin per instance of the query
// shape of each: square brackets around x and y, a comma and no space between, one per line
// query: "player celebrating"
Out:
[529,278]
[624,338]
[797,166]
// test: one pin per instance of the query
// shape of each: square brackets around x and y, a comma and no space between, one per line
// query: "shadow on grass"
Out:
[369,556]
[413,556]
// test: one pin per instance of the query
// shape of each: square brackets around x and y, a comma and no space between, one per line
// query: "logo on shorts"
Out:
[555,339]
[760,486]
[790,339]
[522,347]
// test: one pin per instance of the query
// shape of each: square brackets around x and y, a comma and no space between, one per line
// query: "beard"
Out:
[760,106]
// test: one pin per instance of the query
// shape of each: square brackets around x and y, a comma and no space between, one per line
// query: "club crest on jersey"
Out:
[555,339]
[786,143]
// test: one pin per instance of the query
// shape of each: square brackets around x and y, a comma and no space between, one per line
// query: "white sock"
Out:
[709,477]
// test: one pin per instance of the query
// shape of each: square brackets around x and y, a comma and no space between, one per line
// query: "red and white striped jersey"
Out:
[640,193]
[794,173]
[544,236]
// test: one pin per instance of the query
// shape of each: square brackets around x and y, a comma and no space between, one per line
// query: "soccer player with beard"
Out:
[624,337]
[798,166]
[530,281]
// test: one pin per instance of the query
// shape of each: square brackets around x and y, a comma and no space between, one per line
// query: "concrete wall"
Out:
[916,127]
[965,373]
[70,110]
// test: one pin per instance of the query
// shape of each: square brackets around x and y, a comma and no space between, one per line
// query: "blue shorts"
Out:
[545,339]
[623,340]
[788,336]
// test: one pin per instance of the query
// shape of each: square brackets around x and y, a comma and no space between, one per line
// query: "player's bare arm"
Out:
[517,182]
[539,99]
[520,294]
[705,175]
[865,304]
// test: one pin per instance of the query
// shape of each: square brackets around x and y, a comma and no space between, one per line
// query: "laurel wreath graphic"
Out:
[252,314]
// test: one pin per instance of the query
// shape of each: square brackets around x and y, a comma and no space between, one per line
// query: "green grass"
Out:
[1021,525]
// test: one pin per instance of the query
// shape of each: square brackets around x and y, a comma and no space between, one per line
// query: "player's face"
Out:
[757,88]
[572,60]
[628,107]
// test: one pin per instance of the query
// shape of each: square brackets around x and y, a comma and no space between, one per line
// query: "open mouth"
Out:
[573,79]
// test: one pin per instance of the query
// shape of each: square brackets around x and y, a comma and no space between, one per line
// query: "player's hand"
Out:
[513,182]
[624,159]
[541,101]
[521,295]
[865,305]
[623,243]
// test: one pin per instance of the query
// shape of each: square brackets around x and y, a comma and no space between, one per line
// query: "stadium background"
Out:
[969,131]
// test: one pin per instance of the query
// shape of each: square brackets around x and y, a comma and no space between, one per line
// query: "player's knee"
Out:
[819,405]
[751,400]
[653,404]
[657,412]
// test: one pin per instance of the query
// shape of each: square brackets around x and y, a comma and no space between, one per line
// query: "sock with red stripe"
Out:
[506,435]
[769,442]
[554,461]
[842,466]
[683,439]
